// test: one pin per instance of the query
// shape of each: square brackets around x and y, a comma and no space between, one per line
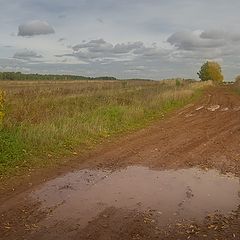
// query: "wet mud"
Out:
[172,195]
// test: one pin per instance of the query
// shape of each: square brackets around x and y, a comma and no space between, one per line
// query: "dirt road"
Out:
[177,179]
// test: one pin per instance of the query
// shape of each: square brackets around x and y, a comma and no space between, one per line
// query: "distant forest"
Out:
[14,76]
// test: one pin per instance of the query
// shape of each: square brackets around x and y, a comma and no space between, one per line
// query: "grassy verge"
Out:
[43,122]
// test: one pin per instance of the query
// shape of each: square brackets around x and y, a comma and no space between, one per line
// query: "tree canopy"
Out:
[211,71]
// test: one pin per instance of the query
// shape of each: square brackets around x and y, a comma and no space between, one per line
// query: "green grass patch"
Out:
[12,149]
[45,124]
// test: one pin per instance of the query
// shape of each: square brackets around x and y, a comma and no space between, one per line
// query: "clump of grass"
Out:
[56,119]
[236,85]
[2,99]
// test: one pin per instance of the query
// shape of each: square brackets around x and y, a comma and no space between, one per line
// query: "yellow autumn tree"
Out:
[211,71]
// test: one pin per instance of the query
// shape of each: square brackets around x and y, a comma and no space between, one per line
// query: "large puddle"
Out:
[172,195]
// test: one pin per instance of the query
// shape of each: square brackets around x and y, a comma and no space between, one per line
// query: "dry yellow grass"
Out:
[55,118]
[2,98]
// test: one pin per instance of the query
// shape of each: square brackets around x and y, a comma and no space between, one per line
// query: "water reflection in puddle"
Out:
[182,194]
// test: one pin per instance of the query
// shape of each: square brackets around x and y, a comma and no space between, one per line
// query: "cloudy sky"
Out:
[122,38]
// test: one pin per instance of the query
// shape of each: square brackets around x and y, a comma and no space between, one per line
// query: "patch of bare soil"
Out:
[177,179]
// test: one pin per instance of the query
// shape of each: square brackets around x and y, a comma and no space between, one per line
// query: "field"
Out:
[120,160]
[45,120]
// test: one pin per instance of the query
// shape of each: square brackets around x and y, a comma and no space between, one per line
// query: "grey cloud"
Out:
[26,55]
[136,20]
[100,45]
[193,48]
[61,39]
[218,34]
[127,47]
[97,45]
[206,45]
[187,40]
[62,16]
[64,55]
[150,52]
[11,64]
[35,27]
[99,49]
[100,20]
[213,34]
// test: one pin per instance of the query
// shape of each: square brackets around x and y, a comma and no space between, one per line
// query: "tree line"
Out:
[209,71]
[13,76]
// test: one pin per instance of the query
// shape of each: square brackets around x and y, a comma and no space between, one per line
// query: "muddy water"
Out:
[172,195]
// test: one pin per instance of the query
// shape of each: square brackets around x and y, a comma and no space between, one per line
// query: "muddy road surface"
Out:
[177,179]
